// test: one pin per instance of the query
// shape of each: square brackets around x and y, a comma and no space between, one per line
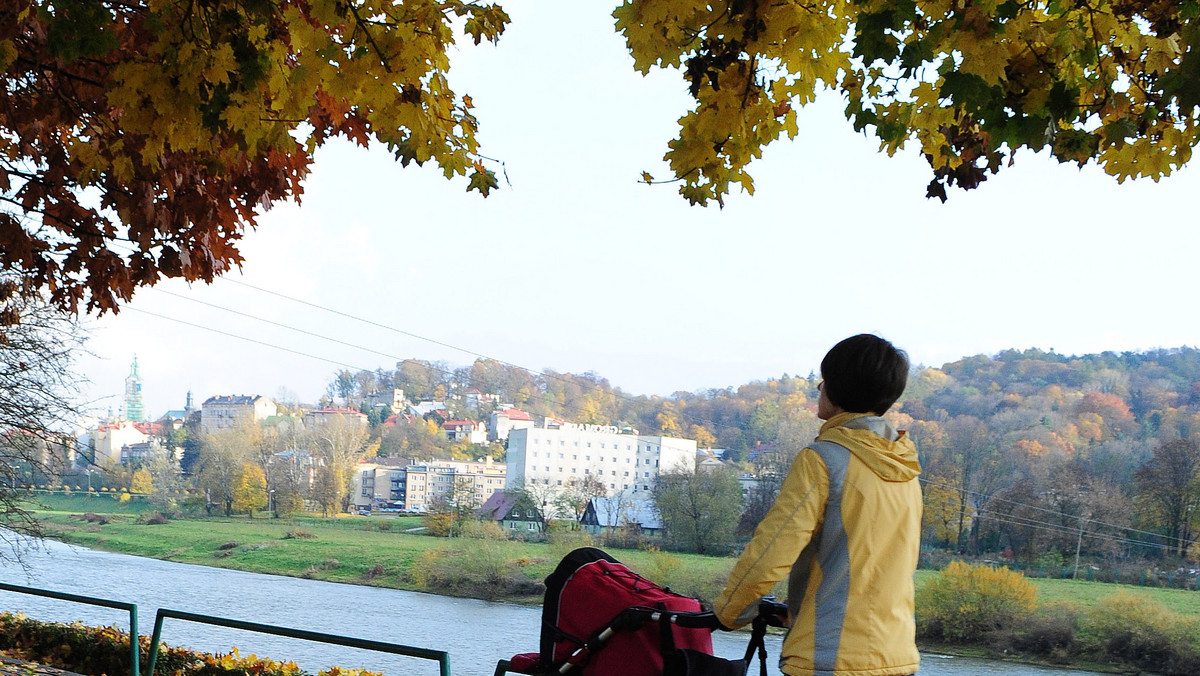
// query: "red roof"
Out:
[459,423]
[151,428]
[340,411]
[516,414]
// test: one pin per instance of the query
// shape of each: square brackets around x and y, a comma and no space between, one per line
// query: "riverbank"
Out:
[378,552]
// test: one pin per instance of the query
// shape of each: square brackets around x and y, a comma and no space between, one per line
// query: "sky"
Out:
[575,266]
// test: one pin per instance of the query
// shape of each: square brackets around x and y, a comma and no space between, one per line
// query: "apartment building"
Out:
[559,454]
[416,486]
[226,411]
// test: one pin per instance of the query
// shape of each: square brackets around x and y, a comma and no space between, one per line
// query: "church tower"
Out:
[133,394]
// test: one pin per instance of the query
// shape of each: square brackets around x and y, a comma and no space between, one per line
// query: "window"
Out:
[531,525]
[612,485]
[647,474]
[626,461]
[560,480]
[627,474]
[587,457]
[647,461]
[560,469]
[589,444]
[613,472]
[572,470]
[587,471]
[560,455]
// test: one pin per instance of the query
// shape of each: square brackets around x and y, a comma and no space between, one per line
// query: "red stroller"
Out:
[600,618]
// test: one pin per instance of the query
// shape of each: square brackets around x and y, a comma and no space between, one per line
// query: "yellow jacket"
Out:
[847,527]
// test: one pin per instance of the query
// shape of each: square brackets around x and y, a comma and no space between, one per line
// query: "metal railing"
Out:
[440,656]
[131,608]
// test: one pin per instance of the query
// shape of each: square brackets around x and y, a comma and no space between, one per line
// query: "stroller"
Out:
[600,618]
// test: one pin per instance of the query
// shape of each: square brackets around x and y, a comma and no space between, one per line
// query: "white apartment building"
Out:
[562,455]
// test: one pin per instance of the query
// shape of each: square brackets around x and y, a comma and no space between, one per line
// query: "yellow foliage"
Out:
[971,83]
[964,602]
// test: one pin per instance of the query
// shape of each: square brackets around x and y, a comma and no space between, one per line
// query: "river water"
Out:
[475,633]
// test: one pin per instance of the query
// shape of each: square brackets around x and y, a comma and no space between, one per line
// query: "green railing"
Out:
[91,601]
[440,656]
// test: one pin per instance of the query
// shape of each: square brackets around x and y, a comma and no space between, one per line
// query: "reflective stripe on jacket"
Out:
[845,531]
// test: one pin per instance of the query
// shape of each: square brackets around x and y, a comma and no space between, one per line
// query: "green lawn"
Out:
[356,549]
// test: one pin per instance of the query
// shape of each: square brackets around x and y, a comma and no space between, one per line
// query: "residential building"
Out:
[414,487]
[320,417]
[560,454]
[500,423]
[474,399]
[109,438]
[464,430]
[226,411]
[515,513]
[393,398]
[424,408]
[624,510]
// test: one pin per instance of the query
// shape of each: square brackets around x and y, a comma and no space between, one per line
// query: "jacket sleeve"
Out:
[783,533]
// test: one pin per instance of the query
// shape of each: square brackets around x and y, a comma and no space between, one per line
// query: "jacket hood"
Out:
[889,453]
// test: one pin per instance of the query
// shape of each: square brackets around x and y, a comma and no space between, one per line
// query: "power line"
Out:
[249,340]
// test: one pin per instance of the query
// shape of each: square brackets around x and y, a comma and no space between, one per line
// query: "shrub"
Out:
[374,571]
[1136,630]
[298,534]
[1050,632]
[157,518]
[484,530]
[480,570]
[966,602]
[563,542]
[105,650]
[227,545]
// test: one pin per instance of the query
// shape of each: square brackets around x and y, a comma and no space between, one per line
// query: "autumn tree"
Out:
[140,140]
[250,489]
[573,499]
[699,509]
[222,455]
[1168,490]
[1115,82]
[143,483]
[339,442]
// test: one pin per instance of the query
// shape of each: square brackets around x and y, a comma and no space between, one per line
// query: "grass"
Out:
[365,554]
[350,549]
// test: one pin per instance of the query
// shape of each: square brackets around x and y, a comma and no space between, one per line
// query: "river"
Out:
[475,633]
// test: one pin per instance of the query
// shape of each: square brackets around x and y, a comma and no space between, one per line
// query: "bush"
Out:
[157,518]
[482,570]
[227,545]
[1138,631]
[563,542]
[105,650]
[967,602]
[1049,633]
[298,534]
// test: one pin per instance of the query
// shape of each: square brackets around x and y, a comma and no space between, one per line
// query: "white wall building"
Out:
[559,457]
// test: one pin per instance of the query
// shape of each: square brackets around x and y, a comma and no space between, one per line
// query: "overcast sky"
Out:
[578,267]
